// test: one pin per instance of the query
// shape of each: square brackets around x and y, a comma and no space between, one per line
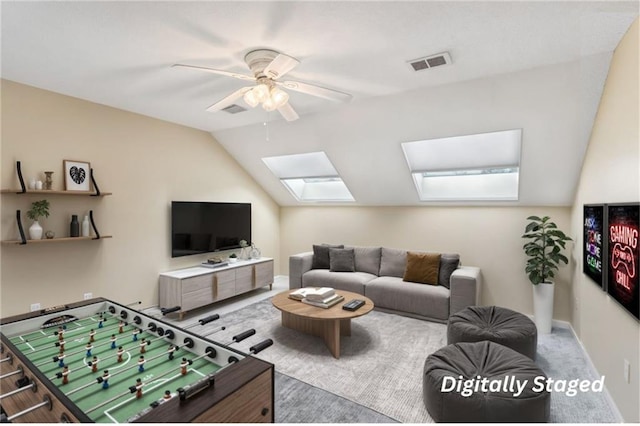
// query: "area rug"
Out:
[380,366]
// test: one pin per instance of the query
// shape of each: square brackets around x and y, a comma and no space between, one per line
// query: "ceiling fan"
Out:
[267,67]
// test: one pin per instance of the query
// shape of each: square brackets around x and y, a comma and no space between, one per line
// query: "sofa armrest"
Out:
[298,265]
[465,288]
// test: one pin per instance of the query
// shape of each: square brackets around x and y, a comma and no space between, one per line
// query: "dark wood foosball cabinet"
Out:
[219,385]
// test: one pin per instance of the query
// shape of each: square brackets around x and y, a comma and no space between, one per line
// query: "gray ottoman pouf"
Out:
[500,366]
[500,325]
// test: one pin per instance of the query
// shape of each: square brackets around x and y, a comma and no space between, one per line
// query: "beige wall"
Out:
[488,237]
[145,162]
[610,174]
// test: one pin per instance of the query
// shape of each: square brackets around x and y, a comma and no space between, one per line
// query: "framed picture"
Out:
[77,175]
[594,250]
[623,227]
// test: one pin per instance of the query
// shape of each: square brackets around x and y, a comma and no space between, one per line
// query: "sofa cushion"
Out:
[449,262]
[367,259]
[349,281]
[422,268]
[392,262]
[321,255]
[392,293]
[341,260]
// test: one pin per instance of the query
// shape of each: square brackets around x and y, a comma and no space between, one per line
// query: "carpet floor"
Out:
[378,378]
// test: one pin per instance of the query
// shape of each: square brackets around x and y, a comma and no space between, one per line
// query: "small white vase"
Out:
[543,306]
[35,231]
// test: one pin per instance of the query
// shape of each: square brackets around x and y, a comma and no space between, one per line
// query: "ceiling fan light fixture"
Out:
[279,97]
[250,99]
[261,92]
[269,104]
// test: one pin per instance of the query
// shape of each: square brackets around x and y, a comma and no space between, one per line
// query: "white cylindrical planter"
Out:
[35,231]
[543,306]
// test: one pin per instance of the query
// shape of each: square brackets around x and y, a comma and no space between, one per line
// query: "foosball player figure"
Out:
[61,344]
[138,388]
[105,379]
[100,321]
[92,336]
[135,334]
[121,327]
[143,345]
[60,334]
[61,359]
[113,341]
[167,395]
[171,350]
[141,362]
[65,375]
[120,353]
[94,364]
[89,347]
[183,366]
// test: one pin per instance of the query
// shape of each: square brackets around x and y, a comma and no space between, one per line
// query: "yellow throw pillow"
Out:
[422,268]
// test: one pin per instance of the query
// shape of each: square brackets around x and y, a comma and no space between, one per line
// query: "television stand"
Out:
[195,287]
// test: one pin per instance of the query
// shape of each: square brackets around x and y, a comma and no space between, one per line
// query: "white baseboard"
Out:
[594,370]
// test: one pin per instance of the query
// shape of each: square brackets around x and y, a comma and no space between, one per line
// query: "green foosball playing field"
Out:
[108,390]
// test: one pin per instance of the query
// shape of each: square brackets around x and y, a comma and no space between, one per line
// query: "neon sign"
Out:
[593,254]
[623,234]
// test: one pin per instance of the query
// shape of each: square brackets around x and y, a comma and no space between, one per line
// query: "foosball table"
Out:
[100,361]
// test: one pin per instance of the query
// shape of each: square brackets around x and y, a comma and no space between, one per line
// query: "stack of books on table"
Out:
[322,297]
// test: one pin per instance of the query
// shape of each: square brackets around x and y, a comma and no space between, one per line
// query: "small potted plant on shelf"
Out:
[233,258]
[543,250]
[38,210]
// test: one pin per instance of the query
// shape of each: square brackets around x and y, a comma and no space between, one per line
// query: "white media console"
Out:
[192,288]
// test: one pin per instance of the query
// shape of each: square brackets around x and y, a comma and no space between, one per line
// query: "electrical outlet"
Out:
[88,296]
[35,307]
[627,371]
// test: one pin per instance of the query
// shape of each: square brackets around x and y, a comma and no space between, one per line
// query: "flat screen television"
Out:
[204,227]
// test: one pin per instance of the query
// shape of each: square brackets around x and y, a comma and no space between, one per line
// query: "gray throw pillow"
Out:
[449,262]
[341,260]
[320,258]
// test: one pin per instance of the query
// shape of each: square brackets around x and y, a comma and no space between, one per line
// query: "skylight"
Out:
[309,177]
[482,167]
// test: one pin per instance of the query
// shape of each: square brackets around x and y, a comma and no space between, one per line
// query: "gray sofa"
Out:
[378,274]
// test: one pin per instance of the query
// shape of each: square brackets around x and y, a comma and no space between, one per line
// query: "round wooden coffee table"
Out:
[329,324]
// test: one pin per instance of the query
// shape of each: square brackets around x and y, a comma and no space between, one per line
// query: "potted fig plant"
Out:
[544,254]
[38,209]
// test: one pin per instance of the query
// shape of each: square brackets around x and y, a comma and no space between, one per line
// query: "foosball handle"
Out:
[166,311]
[208,319]
[240,337]
[260,346]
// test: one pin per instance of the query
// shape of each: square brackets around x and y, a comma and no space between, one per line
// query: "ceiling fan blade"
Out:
[312,89]
[281,65]
[288,112]
[220,72]
[223,103]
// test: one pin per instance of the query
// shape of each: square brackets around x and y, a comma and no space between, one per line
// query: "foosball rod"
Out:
[98,380]
[31,385]
[207,352]
[55,333]
[46,401]
[71,334]
[203,321]
[8,359]
[56,359]
[18,371]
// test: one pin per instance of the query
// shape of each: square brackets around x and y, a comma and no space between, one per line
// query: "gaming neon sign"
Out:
[625,241]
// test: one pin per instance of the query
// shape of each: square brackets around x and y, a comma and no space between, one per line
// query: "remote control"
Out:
[353,305]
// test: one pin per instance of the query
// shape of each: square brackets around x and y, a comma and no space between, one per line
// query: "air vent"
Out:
[430,61]
[234,109]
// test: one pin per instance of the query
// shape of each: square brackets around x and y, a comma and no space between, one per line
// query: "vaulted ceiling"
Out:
[535,66]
